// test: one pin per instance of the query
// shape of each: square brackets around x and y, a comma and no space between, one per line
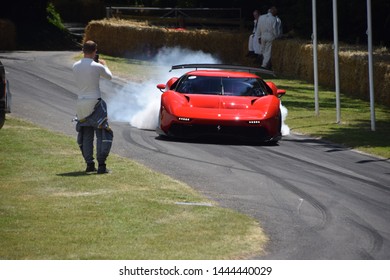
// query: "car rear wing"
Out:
[225,67]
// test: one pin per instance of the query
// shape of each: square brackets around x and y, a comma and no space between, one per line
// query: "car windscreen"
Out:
[222,86]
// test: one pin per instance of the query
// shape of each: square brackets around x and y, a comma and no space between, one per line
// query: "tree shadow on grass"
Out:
[325,103]
[360,134]
[354,136]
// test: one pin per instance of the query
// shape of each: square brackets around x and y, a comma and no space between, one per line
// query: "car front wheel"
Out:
[2,117]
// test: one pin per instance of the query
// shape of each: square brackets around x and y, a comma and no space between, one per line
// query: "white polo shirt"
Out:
[87,74]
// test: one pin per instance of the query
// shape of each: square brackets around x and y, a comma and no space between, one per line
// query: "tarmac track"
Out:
[315,200]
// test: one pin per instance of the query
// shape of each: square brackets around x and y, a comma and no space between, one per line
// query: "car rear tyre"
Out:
[2,118]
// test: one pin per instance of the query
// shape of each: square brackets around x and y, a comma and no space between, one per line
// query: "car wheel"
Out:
[275,141]
[159,131]
[2,118]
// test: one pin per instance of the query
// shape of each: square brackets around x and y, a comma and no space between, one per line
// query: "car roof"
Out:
[222,73]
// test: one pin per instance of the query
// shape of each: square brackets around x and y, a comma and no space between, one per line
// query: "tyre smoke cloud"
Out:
[285,129]
[138,103]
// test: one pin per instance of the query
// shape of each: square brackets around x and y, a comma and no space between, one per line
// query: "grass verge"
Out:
[50,209]
[353,131]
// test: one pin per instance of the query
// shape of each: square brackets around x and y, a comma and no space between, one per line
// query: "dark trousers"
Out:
[86,142]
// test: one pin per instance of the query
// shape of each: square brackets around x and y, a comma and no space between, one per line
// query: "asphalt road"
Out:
[314,200]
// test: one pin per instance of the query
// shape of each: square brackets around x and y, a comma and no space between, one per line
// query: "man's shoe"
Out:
[103,170]
[90,168]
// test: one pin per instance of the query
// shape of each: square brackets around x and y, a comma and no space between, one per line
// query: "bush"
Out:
[53,17]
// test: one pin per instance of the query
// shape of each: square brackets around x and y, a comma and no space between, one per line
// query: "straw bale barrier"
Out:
[125,38]
[7,35]
[290,58]
[295,59]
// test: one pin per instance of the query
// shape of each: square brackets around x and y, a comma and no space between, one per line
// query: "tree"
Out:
[33,29]
[25,12]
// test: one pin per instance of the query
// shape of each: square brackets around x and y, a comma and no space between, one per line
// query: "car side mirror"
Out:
[161,87]
[280,92]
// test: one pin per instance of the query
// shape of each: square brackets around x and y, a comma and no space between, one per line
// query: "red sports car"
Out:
[220,100]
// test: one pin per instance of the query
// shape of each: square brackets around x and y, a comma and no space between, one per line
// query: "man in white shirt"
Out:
[87,73]
[269,28]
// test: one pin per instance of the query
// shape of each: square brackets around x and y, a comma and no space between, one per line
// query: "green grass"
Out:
[353,131]
[50,209]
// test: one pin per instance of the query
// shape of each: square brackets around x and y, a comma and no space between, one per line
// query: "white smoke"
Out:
[138,103]
[285,129]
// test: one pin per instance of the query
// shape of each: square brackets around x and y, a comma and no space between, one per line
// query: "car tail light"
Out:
[254,122]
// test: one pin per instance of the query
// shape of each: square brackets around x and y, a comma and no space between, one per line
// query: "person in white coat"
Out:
[253,43]
[270,29]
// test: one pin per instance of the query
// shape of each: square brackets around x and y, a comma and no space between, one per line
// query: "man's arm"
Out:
[106,73]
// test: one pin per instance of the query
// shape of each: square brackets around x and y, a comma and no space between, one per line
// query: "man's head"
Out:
[273,10]
[89,47]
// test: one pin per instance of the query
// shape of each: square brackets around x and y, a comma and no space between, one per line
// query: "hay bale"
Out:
[7,35]
[292,58]
[354,75]
[382,82]
[120,37]
[295,59]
